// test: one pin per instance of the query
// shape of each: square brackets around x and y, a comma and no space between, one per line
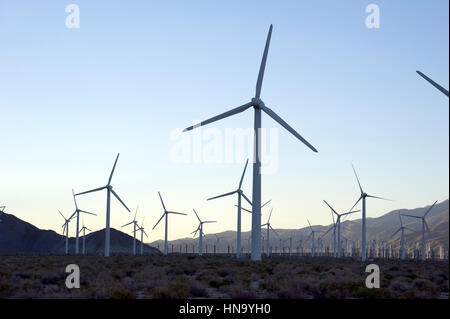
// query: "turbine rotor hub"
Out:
[257,103]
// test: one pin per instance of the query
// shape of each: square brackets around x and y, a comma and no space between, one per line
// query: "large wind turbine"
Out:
[258,106]
[437,86]
[424,225]
[83,229]
[402,237]
[142,236]
[363,198]
[312,238]
[166,215]
[65,227]
[77,213]
[240,194]
[135,227]
[338,225]
[109,190]
[200,229]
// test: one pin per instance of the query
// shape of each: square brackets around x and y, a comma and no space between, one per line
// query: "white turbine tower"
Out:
[312,238]
[65,227]
[363,198]
[166,215]
[109,190]
[424,225]
[338,225]
[402,237]
[269,227]
[240,194]
[77,213]
[142,236]
[83,229]
[135,229]
[201,234]
[437,86]
[258,106]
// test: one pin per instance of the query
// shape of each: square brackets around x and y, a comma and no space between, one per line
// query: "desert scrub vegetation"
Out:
[184,277]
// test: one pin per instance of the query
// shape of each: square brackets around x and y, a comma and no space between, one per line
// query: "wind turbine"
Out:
[258,106]
[338,224]
[424,225]
[240,194]
[142,236]
[437,86]
[135,227]
[217,242]
[65,227]
[363,198]
[402,237]
[166,215]
[333,227]
[109,190]
[83,229]
[269,227]
[200,229]
[312,238]
[77,213]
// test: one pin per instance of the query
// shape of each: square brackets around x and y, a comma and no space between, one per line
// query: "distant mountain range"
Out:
[17,236]
[380,229]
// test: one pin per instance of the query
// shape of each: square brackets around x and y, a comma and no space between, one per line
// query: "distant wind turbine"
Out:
[240,194]
[402,237]
[437,86]
[135,227]
[166,215]
[83,229]
[333,227]
[200,230]
[65,227]
[312,238]
[424,225]
[363,198]
[109,190]
[77,213]
[142,236]
[269,227]
[258,106]
[338,225]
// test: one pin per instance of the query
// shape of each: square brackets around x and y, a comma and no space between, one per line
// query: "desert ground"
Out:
[180,277]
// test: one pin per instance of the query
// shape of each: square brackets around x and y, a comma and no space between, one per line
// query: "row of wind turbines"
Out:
[256,202]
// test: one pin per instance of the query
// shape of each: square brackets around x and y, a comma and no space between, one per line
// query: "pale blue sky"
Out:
[70,99]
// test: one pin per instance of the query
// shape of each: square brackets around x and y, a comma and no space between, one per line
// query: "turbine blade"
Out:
[118,198]
[243,173]
[356,203]
[380,198]
[400,217]
[223,195]
[246,198]
[197,215]
[159,220]
[162,202]
[91,191]
[278,119]
[412,230]
[112,171]
[247,210]
[274,231]
[437,86]
[426,226]
[356,175]
[127,224]
[270,215]
[210,221]
[352,212]
[264,225]
[396,232]
[309,224]
[263,64]
[411,216]
[145,233]
[73,193]
[266,203]
[61,214]
[169,212]
[429,209]
[327,231]
[332,209]
[234,111]
[83,211]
